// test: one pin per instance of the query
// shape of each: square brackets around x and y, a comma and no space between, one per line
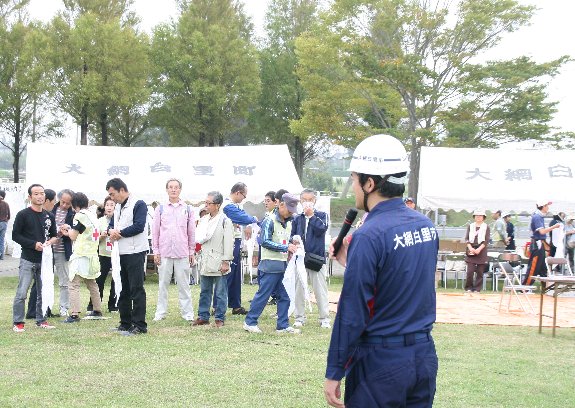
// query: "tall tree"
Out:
[427,51]
[206,76]
[25,112]
[102,63]
[282,93]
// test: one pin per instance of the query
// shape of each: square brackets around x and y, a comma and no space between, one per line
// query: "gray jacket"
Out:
[220,247]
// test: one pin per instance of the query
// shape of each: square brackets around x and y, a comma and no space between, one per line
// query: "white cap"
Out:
[380,155]
[479,212]
[543,203]
[505,214]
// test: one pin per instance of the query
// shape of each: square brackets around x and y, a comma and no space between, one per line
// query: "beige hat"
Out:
[479,212]
[570,217]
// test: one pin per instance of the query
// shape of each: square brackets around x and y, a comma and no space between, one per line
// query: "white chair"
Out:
[512,285]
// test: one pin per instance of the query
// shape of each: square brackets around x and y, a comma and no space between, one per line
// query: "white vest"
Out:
[124,217]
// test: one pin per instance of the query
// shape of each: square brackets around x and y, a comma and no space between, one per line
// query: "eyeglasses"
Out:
[243,194]
[210,203]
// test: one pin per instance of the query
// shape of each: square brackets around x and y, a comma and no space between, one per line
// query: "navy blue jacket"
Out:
[388,284]
[70,221]
[314,240]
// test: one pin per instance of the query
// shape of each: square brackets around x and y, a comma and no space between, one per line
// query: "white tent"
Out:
[145,170]
[496,179]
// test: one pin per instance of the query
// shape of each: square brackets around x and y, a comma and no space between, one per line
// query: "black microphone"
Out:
[349,219]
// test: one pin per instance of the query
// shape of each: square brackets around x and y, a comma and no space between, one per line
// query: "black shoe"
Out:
[239,311]
[71,319]
[134,331]
[272,302]
[121,328]
[94,314]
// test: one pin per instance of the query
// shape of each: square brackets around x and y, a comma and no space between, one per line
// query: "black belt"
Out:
[397,341]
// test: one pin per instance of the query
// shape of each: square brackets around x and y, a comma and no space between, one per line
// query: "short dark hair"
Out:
[241,187]
[217,197]
[280,193]
[32,186]
[79,200]
[50,194]
[384,187]
[271,195]
[2,193]
[117,184]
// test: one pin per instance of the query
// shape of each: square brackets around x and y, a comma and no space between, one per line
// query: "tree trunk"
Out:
[104,128]
[202,139]
[298,157]
[346,187]
[413,185]
[16,151]
[84,117]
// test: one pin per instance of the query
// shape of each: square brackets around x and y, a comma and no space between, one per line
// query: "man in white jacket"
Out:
[215,233]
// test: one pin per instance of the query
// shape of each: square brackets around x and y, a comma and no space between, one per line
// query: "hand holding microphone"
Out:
[337,243]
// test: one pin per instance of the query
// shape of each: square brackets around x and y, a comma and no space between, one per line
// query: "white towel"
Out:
[47,277]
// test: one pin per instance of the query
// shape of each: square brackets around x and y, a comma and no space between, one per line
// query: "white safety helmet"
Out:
[379,155]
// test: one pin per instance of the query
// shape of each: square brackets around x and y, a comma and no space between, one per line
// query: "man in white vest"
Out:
[127,228]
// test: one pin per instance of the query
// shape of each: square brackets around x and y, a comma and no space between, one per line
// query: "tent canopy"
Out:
[496,179]
[145,170]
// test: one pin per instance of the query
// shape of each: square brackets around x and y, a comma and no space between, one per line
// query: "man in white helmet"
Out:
[381,340]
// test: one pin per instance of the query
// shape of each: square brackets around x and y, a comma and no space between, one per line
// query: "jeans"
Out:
[207,285]
[132,302]
[270,282]
[181,269]
[3,227]
[62,271]
[28,272]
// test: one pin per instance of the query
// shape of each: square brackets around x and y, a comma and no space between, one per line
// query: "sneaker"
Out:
[71,319]
[289,329]
[18,328]
[324,325]
[63,312]
[134,331]
[272,302]
[239,311]
[45,325]
[251,329]
[94,314]
[297,323]
[120,329]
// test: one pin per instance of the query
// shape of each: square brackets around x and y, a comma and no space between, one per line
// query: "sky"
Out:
[550,35]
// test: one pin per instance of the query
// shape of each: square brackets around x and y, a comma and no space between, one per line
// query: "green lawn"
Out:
[86,364]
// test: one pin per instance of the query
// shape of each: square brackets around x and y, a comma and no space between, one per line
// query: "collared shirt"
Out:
[173,231]
[537,223]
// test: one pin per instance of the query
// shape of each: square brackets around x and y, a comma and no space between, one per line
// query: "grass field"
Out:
[175,365]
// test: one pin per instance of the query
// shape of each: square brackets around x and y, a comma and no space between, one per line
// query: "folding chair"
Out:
[513,286]
[552,262]
[513,259]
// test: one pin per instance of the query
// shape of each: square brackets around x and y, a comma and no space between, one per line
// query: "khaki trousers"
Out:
[74,290]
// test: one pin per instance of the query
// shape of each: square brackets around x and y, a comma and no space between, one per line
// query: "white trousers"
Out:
[62,271]
[181,269]
[319,285]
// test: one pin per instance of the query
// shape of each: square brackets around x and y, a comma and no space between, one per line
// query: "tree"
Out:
[282,93]
[427,56]
[25,112]
[102,63]
[206,73]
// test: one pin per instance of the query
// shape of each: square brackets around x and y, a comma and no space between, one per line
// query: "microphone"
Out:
[349,218]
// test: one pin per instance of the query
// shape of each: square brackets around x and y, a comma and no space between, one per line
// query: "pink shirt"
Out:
[173,231]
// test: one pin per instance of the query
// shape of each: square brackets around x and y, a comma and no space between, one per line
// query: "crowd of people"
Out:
[83,243]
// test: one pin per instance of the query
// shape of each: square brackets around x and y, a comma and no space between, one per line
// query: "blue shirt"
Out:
[389,281]
[537,223]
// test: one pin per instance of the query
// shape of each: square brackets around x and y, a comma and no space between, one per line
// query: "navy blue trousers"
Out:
[234,278]
[392,376]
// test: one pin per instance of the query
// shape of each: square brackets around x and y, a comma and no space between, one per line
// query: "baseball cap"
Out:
[408,199]
[291,201]
[542,203]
